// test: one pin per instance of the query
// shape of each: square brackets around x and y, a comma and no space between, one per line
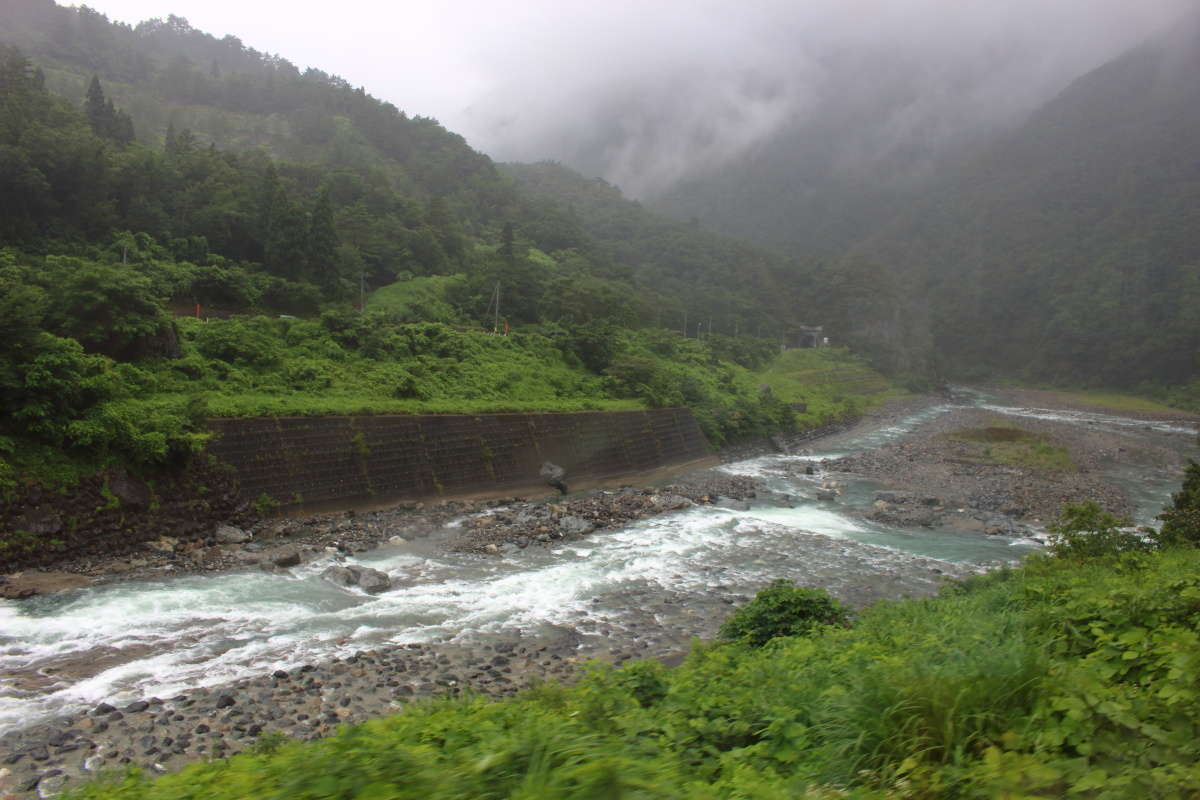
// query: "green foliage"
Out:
[1181,521]
[1006,444]
[1087,531]
[1061,678]
[783,609]
[264,505]
[419,299]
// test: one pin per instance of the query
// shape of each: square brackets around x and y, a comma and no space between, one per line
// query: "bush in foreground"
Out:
[783,609]
[1061,678]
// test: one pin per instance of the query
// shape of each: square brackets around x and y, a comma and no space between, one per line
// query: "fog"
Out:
[644,94]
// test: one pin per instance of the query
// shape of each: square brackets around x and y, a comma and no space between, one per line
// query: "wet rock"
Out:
[575,526]
[671,502]
[51,785]
[371,581]
[288,555]
[227,534]
[225,701]
[827,494]
[554,475]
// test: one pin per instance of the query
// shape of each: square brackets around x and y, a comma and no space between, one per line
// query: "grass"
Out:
[422,299]
[1008,444]
[832,382]
[1113,401]
[1061,678]
[315,405]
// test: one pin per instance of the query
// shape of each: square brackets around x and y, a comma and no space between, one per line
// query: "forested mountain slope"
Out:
[1071,250]
[146,283]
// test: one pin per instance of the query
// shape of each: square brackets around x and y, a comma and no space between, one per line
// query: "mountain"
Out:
[406,196]
[1070,250]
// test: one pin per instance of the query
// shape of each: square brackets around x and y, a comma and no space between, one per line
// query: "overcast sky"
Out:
[643,91]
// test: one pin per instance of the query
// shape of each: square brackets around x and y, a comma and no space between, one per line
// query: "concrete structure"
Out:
[329,462]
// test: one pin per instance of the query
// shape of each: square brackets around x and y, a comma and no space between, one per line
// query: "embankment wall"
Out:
[323,462]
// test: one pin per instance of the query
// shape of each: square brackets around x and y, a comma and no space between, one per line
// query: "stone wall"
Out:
[322,461]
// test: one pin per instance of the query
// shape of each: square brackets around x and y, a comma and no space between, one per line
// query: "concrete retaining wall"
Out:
[316,462]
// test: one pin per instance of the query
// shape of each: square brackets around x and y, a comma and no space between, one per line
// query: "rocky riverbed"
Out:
[924,480]
[939,477]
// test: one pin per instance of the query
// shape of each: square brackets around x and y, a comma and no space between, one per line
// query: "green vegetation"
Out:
[1004,443]
[1069,676]
[830,382]
[783,609]
[1088,531]
[144,288]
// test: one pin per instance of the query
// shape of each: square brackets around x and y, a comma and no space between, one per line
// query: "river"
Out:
[657,582]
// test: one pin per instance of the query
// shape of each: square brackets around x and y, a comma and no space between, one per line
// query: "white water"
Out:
[162,637]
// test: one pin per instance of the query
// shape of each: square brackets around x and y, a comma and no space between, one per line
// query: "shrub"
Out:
[1087,531]
[783,609]
[1181,522]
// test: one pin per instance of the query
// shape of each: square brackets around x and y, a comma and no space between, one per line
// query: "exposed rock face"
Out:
[113,513]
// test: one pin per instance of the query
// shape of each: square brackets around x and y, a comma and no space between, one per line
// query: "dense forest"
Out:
[148,279]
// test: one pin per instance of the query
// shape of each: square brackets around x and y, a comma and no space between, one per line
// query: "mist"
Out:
[649,94]
[647,97]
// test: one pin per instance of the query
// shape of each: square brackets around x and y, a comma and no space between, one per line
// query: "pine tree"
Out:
[322,240]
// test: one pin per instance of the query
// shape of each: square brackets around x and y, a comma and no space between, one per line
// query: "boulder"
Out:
[227,534]
[575,526]
[827,494]
[286,556]
[371,581]
[554,475]
[670,502]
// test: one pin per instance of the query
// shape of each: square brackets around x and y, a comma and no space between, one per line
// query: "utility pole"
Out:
[685,323]
[496,321]
[362,292]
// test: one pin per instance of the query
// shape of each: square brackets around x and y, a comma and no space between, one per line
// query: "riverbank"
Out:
[535,543]
[1002,474]
[281,542]
[309,700]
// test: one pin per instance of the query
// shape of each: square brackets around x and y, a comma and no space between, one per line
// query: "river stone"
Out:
[227,534]
[50,785]
[670,502]
[371,581]
[286,556]
[575,526]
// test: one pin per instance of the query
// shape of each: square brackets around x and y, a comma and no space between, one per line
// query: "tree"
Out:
[106,121]
[323,241]
[1181,522]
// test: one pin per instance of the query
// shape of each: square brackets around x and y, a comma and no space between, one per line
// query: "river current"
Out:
[664,579]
